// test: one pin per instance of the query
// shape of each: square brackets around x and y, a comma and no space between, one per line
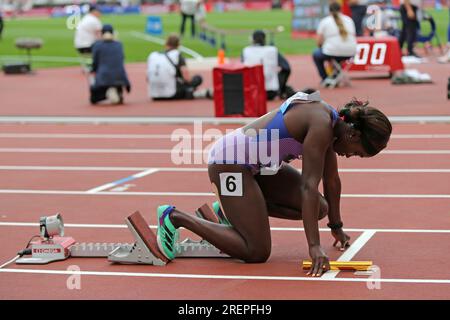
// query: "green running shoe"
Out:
[167,234]
[220,216]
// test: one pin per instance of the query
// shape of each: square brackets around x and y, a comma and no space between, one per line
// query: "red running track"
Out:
[401,211]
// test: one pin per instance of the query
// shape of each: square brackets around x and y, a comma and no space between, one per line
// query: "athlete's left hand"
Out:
[341,237]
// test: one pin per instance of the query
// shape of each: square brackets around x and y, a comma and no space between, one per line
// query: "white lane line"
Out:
[9,262]
[44,58]
[416,152]
[170,151]
[348,254]
[420,136]
[179,120]
[166,136]
[219,276]
[278,229]
[96,150]
[206,194]
[160,41]
[123,180]
[202,169]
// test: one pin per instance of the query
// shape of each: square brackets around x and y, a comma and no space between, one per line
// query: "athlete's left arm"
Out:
[332,193]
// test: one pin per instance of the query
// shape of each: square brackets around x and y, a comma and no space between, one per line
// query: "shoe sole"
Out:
[160,247]
[112,95]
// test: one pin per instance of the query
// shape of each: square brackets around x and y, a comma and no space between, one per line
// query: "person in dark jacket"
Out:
[109,69]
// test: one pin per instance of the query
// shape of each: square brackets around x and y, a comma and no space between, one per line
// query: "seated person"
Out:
[335,38]
[88,31]
[109,69]
[276,67]
[168,75]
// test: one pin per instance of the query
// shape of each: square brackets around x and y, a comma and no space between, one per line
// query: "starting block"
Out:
[143,251]
[206,213]
[343,265]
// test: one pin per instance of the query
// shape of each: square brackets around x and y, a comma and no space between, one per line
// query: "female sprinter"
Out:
[250,192]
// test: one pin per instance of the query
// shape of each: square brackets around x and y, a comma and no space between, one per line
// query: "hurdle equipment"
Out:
[343,265]
[144,250]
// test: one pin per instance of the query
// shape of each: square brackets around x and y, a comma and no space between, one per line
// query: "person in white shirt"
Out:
[168,76]
[88,31]
[336,39]
[408,12]
[188,9]
[276,67]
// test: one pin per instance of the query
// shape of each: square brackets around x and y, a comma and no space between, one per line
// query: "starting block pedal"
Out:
[205,212]
[145,250]
[343,265]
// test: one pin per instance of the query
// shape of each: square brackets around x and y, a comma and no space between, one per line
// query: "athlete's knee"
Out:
[258,255]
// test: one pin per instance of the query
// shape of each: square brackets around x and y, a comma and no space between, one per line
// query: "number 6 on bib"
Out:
[231,184]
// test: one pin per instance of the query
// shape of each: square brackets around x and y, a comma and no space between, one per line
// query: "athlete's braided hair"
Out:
[374,126]
[335,9]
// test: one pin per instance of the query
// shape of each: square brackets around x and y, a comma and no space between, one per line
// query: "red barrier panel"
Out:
[377,54]
[239,91]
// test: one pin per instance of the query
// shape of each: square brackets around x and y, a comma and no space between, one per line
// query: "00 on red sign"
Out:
[367,54]
[377,55]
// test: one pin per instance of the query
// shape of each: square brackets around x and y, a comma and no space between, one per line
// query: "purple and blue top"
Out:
[264,150]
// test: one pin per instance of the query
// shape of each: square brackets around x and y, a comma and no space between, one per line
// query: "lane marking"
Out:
[44,59]
[170,151]
[121,181]
[219,276]
[204,194]
[180,120]
[202,169]
[9,262]
[280,229]
[166,136]
[354,248]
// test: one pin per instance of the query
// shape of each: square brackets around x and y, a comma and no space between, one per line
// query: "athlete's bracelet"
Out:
[335,226]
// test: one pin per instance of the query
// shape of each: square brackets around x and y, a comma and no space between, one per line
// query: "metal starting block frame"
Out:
[143,251]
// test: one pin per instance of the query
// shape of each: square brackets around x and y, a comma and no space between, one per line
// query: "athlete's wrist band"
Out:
[335,226]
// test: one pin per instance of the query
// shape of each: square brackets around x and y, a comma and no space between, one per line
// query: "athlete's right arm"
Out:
[315,145]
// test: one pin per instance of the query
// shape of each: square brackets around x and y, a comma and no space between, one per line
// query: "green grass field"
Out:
[58,39]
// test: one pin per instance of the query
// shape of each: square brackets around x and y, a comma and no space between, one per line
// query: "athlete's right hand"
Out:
[320,263]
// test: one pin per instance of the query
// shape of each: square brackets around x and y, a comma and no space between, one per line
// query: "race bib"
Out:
[231,184]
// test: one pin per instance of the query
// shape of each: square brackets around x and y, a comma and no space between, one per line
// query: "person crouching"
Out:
[168,76]
[109,69]
[276,67]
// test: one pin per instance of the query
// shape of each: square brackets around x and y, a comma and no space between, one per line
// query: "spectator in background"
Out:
[88,31]
[168,75]
[200,14]
[188,9]
[408,12]
[276,67]
[109,69]
[335,38]
[358,9]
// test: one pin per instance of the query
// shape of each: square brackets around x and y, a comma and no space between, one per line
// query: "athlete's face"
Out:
[349,144]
